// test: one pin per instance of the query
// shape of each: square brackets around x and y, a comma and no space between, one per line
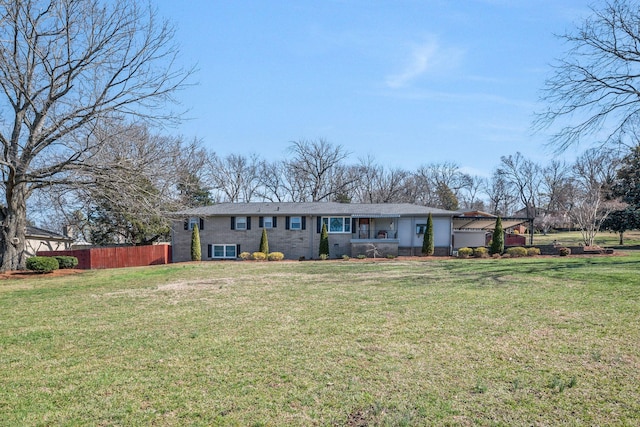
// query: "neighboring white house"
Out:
[227,229]
[38,239]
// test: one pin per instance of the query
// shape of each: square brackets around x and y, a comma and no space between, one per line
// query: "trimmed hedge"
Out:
[42,264]
[259,256]
[517,251]
[465,252]
[275,256]
[481,252]
[66,261]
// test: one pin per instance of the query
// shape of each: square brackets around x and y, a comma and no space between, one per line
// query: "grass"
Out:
[574,238]
[532,341]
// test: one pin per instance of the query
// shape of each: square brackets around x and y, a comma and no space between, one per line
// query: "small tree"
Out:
[324,241]
[497,242]
[264,242]
[427,240]
[196,252]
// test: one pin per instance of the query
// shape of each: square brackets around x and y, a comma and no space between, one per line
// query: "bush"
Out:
[345,257]
[533,251]
[245,255]
[196,251]
[324,257]
[42,264]
[275,256]
[67,261]
[564,251]
[259,256]
[517,251]
[361,256]
[391,256]
[480,252]
[465,252]
[497,241]
[264,242]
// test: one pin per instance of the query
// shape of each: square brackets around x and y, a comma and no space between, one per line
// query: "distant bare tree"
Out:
[273,185]
[235,177]
[594,174]
[524,176]
[379,185]
[315,171]
[501,195]
[65,67]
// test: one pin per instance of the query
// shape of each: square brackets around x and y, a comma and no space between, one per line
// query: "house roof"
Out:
[484,222]
[317,208]
[39,233]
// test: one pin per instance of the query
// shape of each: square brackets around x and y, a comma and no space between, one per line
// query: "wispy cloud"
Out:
[428,56]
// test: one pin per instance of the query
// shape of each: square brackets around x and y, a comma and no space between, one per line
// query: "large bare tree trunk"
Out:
[14,222]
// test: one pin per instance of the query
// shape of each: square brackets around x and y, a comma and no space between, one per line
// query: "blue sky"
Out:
[407,82]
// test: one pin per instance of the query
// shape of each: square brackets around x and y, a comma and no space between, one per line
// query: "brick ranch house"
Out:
[227,229]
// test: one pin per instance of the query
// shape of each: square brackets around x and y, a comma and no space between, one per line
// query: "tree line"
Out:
[157,175]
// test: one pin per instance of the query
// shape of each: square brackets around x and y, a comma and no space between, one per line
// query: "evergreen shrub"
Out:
[42,264]
[67,261]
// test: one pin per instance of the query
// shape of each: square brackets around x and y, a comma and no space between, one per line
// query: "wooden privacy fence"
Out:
[117,257]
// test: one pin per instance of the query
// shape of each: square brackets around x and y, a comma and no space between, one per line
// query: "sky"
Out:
[407,82]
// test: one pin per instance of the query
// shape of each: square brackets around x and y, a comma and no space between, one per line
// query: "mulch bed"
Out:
[26,274]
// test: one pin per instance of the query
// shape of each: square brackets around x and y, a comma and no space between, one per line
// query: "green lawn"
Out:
[531,341]
[574,238]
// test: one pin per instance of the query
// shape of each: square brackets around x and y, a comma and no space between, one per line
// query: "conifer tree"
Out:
[264,242]
[196,251]
[324,241]
[427,240]
[497,242]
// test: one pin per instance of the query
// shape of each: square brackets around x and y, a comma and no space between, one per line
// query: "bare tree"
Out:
[524,176]
[501,195]
[315,172]
[596,85]
[65,66]
[379,185]
[594,174]
[235,176]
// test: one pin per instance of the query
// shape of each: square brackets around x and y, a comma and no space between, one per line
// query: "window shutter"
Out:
[233,222]
[248,223]
[318,224]
[186,224]
[238,250]
[304,222]
[353,225]
[275,222]
[209,251]
[260,221]
[201,224]
[287,221]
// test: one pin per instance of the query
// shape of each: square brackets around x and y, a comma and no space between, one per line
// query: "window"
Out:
[295,223]
[338,224]
[241,223]
[421,228]
[189,223]
[267,222]
[223,251]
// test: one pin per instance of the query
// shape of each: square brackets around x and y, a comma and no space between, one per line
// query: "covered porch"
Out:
[375,235]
